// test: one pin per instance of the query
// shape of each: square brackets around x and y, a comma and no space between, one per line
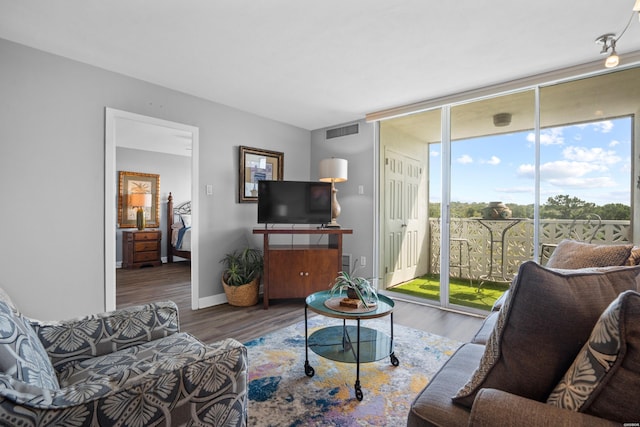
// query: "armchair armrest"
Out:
[173,381]
[498,408]
[72,341]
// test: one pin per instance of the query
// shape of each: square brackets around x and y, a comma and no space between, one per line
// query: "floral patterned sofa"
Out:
[129,367]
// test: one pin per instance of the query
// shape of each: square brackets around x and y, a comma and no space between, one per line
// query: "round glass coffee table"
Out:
[348,343]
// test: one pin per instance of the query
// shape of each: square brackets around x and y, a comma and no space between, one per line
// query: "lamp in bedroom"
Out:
[140,201]
[333,170]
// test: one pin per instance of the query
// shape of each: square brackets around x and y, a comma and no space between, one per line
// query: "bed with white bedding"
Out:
[179,229]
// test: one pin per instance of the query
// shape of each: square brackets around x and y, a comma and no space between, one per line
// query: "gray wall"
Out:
[52,175]
[358,210]
[175,177]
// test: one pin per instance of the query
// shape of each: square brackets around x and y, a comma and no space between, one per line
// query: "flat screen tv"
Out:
[294,202]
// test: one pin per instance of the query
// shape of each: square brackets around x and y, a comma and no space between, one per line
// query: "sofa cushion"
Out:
[544,323]
[603,380]
[433,406]
[483,334]
[22,355]
[571,254]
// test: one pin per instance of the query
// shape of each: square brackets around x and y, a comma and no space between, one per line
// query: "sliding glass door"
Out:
[409,235]
[586,154]
[471,190]
[491,197]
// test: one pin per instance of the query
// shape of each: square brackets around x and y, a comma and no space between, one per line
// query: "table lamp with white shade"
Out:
[140,201]
[333,170]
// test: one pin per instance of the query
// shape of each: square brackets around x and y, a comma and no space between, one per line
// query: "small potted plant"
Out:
[241,276]
[357,288]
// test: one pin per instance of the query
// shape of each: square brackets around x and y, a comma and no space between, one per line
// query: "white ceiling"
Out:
[321,63]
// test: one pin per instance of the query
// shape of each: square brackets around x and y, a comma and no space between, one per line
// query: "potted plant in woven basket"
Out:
[241,276]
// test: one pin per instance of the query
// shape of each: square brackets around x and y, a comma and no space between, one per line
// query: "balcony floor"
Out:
[461,292]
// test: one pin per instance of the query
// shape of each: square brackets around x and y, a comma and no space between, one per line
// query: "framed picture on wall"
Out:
[257,165]
[138,191]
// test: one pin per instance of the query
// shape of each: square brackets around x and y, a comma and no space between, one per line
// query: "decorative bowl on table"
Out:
[496,210]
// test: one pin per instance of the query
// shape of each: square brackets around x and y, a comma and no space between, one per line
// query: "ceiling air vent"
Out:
[343,131]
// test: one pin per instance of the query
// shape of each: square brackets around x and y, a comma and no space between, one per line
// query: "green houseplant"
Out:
[241,276]
[356,287]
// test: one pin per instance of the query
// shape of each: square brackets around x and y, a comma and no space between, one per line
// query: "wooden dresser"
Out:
[141,248]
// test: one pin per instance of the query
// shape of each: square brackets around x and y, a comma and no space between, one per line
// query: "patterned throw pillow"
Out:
[609,361]
[22,355]
[571,254]
[634,258]
[545,321]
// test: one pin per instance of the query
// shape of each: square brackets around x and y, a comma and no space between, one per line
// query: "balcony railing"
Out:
[518,245]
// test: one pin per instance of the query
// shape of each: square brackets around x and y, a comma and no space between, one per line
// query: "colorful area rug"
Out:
[280,394]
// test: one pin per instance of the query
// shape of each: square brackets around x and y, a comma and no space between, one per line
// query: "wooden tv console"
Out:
[295,270]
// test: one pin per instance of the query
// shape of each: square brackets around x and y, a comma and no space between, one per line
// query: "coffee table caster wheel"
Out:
[359,394]
[394,360]
[308,369]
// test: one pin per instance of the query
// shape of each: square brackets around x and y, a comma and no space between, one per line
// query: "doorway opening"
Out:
[135,141]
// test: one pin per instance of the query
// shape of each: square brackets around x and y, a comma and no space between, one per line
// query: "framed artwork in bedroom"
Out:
[138,191]
[257,165]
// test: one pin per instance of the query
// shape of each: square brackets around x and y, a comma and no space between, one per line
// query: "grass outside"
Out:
[460,291]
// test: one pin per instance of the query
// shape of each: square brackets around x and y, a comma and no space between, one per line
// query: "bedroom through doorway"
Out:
[148,145]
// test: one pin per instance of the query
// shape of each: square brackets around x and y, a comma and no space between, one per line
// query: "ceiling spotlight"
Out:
[502,119]
[613,59]
[608,41]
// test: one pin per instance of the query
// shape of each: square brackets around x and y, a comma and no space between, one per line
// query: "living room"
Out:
[56,264]
[72,95]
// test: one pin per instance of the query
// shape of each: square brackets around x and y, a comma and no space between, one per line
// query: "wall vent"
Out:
[346,263]
[343,131]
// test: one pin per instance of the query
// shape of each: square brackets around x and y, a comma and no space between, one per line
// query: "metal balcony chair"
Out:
[592,223]
[462,245]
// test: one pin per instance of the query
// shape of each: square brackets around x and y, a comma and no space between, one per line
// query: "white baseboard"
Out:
[212,300]
[217,299]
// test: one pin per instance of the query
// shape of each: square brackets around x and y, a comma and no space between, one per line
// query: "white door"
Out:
[405,217]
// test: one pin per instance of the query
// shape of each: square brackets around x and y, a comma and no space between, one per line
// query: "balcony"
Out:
[518,242]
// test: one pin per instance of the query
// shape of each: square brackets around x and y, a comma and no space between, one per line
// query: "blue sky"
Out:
[589,161]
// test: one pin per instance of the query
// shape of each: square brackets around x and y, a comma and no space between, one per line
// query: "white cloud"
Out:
[614,142]
[604,126]
[464,159]
[584,183]
[434,153]
[493,161]
[595,155]
[560,169]
[553,136]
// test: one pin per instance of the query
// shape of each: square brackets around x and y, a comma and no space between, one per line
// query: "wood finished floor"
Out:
[172,282]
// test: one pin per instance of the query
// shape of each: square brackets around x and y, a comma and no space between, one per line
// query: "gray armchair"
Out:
[130,367]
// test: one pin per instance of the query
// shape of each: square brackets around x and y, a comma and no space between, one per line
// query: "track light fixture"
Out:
[609,40]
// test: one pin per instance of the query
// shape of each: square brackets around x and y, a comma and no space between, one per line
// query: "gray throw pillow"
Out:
[22,355]
[545,321]
[571,254]
[604,378]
